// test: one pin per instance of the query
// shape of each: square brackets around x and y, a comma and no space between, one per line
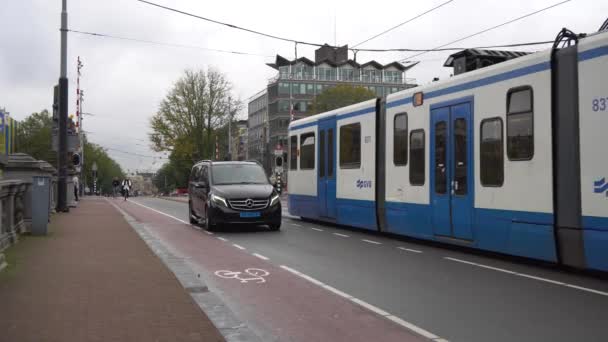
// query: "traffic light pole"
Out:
[62,158]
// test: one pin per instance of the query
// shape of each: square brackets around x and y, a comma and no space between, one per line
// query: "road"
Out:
[450,294]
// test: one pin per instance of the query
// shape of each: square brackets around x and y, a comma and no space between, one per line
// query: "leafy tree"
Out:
[189,117]
[34,136]
[341,96]
[107,168]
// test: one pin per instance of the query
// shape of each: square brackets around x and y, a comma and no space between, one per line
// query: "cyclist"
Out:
[126,186]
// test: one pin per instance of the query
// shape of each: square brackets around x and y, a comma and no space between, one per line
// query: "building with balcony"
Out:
[239,140]
[296,85]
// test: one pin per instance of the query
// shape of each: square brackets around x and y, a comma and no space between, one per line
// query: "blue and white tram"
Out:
[510,158]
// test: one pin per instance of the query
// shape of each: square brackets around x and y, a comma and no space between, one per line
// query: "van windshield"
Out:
[238,174]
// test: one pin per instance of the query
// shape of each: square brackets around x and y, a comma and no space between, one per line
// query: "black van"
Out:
[232,192]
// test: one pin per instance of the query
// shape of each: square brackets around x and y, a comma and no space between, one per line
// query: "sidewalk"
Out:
[93,279]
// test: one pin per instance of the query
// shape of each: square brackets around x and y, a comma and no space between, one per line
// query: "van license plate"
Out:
[251,214]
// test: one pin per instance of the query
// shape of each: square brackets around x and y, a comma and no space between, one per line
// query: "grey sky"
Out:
[125,81]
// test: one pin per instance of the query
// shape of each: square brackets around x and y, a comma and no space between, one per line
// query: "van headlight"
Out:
[218,200]
[274,199]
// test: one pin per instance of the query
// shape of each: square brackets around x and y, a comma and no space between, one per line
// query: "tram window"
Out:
[330,152]
[520,124]
[400,140]
[293,152]
[441,180]
[322,154]
[350,146]
[492,155]
[417,157]
[307,151]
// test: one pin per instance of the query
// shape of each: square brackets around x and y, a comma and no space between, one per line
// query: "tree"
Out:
[107,168]
[34,136]
[188,118]
[341,96]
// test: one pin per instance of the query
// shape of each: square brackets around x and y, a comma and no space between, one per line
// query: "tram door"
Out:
[452,185]
[326,171]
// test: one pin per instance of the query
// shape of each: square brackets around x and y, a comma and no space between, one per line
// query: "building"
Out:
[8,133]
[239,141]
[296,85]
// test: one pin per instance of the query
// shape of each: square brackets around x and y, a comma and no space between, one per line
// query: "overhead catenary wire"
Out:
[104,35]
[403,23]
[236,27]
[487,29]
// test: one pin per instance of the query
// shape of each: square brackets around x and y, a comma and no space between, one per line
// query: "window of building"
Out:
[283,105]
[520,124]
[400,140]
[310,89]
[307,151]
[284,71]
[283,88]
[318,89]
[350,146]
[491,153]
[417,174]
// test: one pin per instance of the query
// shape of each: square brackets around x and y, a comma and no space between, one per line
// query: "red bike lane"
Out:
[279,305]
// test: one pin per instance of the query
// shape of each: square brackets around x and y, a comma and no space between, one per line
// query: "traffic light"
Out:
[76,159]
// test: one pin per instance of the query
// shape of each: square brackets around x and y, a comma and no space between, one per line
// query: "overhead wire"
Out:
[403,23]
[487,29]
[236,27]
[104,35]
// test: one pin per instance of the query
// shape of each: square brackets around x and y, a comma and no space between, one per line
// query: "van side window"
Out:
[400,140]
[204,174]
[293,152]
[520,123]
[350,146]
[417,157]
[491,152]
[194,173]
[307,151]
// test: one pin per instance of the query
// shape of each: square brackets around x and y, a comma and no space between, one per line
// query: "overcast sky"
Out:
[125,81]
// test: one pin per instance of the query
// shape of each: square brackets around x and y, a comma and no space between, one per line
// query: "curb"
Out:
[231,327]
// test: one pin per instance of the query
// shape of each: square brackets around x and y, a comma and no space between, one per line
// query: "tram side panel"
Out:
[593,108]
[303,175]
[356,166]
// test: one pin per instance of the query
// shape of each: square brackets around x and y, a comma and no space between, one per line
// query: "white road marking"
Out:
[297,225]
[208,232]
[238,246]
[160,212]
[251,274]
[409,250]
[368,306]
[413,328]
[260,256]
[524,275]
[221,238]
[342,235]
[370,241]
[317,229]
[196,227]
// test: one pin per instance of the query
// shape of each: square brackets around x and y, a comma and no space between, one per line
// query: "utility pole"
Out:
[229,131]
[79,113]
[62,158]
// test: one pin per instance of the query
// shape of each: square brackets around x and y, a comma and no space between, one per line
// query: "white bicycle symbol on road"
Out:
[251,274]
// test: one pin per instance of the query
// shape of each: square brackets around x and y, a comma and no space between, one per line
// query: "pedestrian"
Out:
[115,186]
[76,187]
[126,186]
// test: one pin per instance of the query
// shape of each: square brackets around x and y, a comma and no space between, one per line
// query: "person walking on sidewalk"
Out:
[76,187]
[126,186]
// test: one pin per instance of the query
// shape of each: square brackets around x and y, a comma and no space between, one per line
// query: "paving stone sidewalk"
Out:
[93,279]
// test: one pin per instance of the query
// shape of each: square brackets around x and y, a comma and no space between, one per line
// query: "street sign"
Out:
[2,116]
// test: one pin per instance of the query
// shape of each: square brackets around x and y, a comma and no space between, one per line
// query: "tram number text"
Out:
[364,184]
[600,104]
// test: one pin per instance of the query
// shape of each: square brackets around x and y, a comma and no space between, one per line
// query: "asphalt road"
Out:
[453,294]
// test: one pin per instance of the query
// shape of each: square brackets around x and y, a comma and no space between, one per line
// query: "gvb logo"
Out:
[600,186]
